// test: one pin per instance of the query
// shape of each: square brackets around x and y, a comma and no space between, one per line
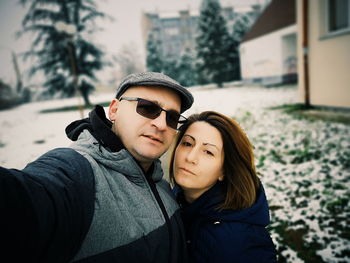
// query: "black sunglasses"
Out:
[152,110]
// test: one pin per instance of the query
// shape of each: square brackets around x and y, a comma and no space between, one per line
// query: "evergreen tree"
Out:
[169,67]
[67,59]
[241,25]
[212,44]
[181,68]
[232,60]
[186,69]
[154,60]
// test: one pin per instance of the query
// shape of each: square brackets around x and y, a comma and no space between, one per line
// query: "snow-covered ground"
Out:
[27,134]
[304,165]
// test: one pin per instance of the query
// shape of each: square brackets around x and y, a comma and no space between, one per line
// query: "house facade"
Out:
[268,52]
[324,52]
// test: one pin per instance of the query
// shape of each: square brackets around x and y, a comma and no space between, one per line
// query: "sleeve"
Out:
[241,244]
[46,208]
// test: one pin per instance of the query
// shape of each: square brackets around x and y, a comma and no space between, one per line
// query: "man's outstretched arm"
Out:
[46,208]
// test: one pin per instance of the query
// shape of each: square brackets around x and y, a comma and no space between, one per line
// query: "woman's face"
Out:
[199,158]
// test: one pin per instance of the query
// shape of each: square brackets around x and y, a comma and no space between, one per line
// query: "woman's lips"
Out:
[187,171]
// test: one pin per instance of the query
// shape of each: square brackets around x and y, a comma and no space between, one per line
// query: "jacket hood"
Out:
[122,161]
[94,132]
[99,127]
[206,207]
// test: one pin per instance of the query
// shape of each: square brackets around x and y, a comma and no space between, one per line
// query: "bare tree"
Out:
[128,60]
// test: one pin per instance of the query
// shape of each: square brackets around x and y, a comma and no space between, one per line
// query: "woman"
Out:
[225,211]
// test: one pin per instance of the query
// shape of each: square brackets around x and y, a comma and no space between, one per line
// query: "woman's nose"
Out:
[192,155]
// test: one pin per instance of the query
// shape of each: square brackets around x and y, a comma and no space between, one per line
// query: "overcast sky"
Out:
[124,30]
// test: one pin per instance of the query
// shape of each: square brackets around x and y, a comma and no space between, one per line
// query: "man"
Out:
[103,199]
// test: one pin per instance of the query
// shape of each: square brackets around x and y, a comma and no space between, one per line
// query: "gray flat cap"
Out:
[156,79]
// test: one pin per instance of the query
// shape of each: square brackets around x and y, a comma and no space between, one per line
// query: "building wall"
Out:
[329,60]
[268,59]
[176,31]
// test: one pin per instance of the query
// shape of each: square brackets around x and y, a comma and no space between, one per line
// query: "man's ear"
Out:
[112,111]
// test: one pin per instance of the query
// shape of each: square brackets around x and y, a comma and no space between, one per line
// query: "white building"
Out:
[268,52]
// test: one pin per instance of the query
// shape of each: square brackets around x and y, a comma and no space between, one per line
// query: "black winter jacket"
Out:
[227,235]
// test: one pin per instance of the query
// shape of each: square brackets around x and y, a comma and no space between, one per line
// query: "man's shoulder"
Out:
[61,162]
[62,153]
[65,156]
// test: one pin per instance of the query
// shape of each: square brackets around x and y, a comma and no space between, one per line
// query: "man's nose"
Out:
[160,121]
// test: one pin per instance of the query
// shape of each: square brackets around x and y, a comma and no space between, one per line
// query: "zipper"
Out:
[165,214]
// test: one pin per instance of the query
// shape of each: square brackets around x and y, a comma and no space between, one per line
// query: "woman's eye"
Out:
[209,152]
[186,144]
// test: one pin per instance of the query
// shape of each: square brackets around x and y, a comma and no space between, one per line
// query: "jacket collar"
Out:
[101,129]
[206,203]
[206,207]
[99,126]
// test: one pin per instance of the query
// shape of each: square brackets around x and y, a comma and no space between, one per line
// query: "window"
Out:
[172,31]
[338,13]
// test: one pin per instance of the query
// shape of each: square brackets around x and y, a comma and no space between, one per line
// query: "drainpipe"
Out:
[305,43]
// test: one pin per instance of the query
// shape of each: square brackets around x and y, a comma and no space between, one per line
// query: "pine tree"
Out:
[182,68]
[67,59]
[154,60]
[241,25]
[186,69]
[212,43]
[232,60]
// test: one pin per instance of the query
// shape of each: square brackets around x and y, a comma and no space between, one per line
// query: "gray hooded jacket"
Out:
[128,222]
[89,203]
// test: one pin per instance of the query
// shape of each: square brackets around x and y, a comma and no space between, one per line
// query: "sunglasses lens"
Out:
[148,109]
[172,119]
[151,110]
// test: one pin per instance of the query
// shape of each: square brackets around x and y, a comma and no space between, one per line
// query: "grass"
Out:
[304,165]
[314,113]
[295,239]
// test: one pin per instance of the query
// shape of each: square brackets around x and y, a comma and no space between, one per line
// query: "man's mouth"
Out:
[153,138]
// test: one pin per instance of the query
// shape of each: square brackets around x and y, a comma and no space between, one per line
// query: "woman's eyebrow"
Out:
[187,135]
[205,143]
[210,144]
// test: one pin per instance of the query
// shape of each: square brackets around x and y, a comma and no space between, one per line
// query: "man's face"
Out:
[144,138]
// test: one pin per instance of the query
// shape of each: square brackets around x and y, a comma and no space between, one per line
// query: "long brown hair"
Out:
[240,178]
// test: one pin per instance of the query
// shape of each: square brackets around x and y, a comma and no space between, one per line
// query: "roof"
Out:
[278,14]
